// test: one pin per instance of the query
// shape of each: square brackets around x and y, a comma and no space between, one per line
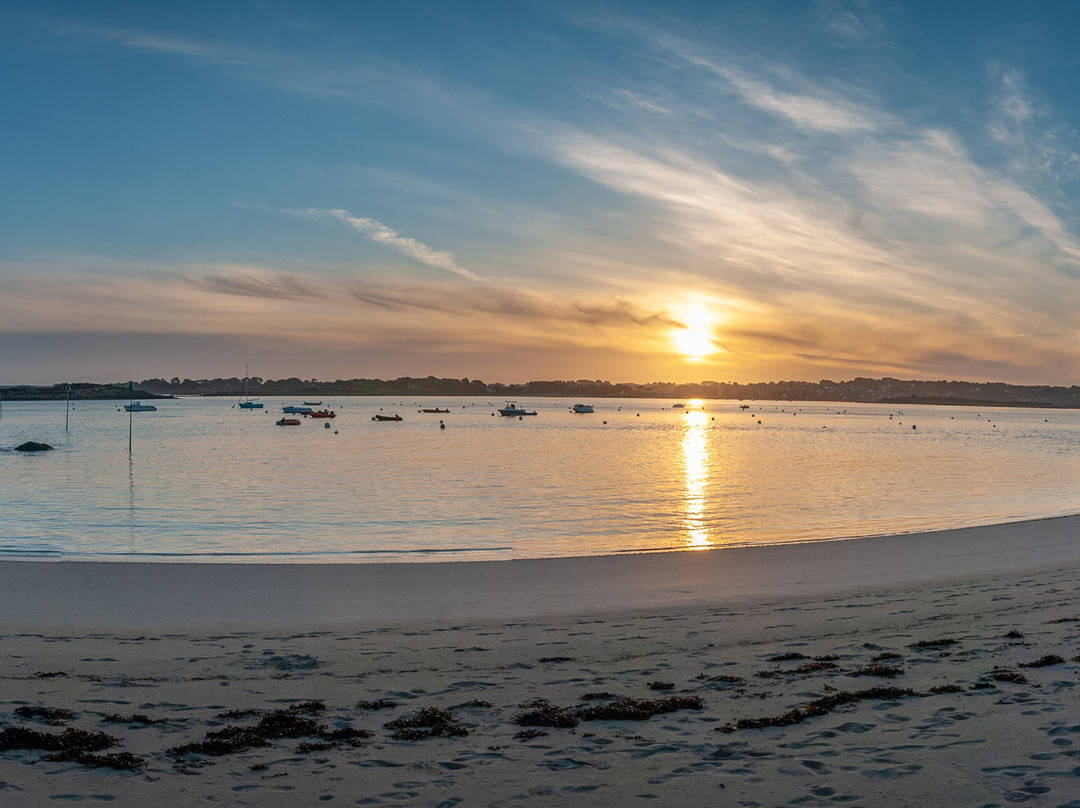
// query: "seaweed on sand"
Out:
[274,725]
[381,704]
[639,709]
[544,714]
[430,722]
[819,707]
[1044,661]
[879,670]
[932,645]
[625,709]
[69,746]
[818,666]
[47,715]
[1007,676]
[136,718]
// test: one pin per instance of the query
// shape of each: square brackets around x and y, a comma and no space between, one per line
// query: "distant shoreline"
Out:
[856,391]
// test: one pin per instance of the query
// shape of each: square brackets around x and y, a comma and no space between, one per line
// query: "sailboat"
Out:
[244,402]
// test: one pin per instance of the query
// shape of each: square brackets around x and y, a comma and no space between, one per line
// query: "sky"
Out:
[734,190]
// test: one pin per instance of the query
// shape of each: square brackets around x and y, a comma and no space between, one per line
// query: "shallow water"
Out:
[205,481]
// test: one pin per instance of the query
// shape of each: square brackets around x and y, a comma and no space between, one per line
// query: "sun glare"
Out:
[695,341]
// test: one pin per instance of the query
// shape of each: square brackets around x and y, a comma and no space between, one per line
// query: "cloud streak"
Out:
[381,234]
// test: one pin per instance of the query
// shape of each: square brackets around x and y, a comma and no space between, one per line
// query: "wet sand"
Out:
[932,669]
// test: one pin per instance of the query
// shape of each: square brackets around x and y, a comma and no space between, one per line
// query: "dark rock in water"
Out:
[32,446]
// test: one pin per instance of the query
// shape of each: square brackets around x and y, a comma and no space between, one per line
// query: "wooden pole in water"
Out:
[67,408]
[131,388]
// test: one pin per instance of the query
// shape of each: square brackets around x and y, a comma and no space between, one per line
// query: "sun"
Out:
[694,343]
[695,340]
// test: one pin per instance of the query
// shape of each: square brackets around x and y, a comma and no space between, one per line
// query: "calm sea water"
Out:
[205,481]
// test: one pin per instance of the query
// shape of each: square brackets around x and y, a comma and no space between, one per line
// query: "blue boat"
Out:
[244,402]
[292,409]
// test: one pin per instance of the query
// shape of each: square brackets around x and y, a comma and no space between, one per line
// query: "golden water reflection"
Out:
[696,464]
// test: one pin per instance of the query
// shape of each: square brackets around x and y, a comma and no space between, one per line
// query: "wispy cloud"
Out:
[410,247]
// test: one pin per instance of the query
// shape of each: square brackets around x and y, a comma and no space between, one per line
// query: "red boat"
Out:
[288,422]
[321,414]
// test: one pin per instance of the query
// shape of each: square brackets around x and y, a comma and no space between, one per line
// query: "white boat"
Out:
[512,409]
[582,408]
[138,406]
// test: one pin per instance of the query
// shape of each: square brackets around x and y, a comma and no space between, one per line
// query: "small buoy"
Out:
[521,418]
[605,422]
[326,426]
[913,426]
[335,432]
[759,420]
[442,425]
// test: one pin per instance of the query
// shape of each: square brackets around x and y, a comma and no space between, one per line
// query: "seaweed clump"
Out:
[136,718]
[274,725]
[46,715]
[430,722]
[878,670]
[543,714]
[639,709]
[1044,661]
[69,746]
[818,708]
[381,704]
[1007,676]
[933,645]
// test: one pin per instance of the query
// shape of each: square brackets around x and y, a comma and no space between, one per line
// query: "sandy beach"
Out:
[929,669]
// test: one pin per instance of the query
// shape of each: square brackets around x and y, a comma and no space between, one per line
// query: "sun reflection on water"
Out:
[696,464]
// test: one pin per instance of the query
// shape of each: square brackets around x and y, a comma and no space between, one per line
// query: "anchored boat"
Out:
[512,409]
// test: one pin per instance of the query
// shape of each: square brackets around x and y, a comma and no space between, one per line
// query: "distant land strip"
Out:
[875,391]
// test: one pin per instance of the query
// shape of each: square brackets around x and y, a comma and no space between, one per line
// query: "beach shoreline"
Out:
[134,595]
[928,669]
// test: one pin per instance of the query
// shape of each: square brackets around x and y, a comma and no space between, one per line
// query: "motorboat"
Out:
[513,409]
[321,414]
[292,409]
[313,403]
[138,406]
[288,422]
[434,409]
[582,408]
[394,417]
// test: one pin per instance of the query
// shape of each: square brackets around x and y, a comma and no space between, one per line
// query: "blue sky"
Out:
[720,190]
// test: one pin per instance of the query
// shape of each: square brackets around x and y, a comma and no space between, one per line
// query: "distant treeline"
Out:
[887,390]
